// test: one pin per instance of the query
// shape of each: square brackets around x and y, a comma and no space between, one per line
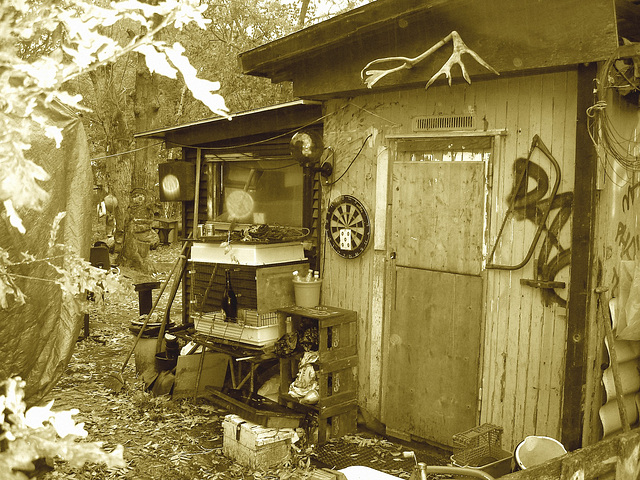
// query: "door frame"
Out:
[498,147]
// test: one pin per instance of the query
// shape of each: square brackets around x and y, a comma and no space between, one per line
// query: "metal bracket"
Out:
[238,429]
[542,283]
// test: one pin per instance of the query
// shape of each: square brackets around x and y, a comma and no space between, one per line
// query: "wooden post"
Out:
[200,365]
[581,255]
[197,193]
[628,465]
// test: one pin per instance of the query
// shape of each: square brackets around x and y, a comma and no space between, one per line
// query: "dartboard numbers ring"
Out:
[348,227]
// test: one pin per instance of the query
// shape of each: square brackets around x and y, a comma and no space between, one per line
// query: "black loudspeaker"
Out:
[177,181]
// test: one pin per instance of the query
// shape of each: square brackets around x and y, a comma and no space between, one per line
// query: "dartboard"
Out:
[348,226]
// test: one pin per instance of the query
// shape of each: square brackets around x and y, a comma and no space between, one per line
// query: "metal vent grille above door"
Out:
[443,122]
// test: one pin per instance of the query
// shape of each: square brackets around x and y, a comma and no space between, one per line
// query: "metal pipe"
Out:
[471,472]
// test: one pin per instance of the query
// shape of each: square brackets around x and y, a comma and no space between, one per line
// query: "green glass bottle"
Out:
[229,300]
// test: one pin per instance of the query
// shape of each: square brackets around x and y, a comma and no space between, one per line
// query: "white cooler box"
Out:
[253,445]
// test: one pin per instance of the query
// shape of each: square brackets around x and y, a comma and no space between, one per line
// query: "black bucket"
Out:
[164,362]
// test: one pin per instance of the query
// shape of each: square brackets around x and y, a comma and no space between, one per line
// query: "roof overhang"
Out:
[262,123]
[512,37]
[275,59]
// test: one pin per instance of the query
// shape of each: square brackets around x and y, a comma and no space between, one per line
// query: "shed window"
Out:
[445,149]
[275,188]
[257,191]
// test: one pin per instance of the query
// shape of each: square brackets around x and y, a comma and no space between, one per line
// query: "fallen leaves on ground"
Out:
[162,438]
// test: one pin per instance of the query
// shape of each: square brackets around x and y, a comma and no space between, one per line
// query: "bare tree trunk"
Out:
[304,5]
[138,233]
[119,181]
[174,209]
[117,168]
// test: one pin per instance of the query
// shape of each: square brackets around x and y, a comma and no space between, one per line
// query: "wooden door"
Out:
[438,218]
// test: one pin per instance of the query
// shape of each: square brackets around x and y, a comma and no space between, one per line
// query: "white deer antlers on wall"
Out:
[371,77]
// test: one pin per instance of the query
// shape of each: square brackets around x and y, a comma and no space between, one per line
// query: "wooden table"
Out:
[241,400]
[240,354]
[164,227]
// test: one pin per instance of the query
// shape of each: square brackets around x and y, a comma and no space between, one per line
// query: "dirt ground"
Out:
[166,439]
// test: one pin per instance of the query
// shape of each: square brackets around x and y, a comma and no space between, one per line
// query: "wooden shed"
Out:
[475,294]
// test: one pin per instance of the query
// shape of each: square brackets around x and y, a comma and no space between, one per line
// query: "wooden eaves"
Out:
[245,127]
[512,37]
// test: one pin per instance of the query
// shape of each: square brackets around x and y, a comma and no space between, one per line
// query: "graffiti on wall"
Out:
[627,239]
[553,256]
[629,198]
[549,211]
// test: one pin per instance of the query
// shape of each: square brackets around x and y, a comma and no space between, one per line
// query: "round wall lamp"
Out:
[306,148]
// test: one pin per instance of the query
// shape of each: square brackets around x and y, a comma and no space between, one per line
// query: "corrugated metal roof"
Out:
[260,121]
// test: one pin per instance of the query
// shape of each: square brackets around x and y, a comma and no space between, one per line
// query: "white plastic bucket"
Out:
[307,294]
[534,450]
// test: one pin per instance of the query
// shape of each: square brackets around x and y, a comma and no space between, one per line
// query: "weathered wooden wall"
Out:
[524,338]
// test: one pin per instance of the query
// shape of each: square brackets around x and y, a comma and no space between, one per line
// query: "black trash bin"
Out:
[99,256]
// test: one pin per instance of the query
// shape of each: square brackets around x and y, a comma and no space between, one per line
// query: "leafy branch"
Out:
[83,48]
[40,433]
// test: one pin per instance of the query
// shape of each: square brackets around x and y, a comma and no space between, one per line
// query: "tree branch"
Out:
[304,5]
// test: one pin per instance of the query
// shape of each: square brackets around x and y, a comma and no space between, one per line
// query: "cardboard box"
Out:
[214,371]
[253,445]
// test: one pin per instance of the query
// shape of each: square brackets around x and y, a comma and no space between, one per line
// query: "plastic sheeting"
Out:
[628,321]
[37,339]
[625,318]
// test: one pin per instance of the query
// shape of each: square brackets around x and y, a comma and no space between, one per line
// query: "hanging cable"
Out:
[350,163]
[128,151]
[602,129]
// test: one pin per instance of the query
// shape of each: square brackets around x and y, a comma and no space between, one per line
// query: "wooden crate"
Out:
[338,380]
[337,408]
[259,288]
[253,445]
[333,421]
[337,329]
[337,421]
